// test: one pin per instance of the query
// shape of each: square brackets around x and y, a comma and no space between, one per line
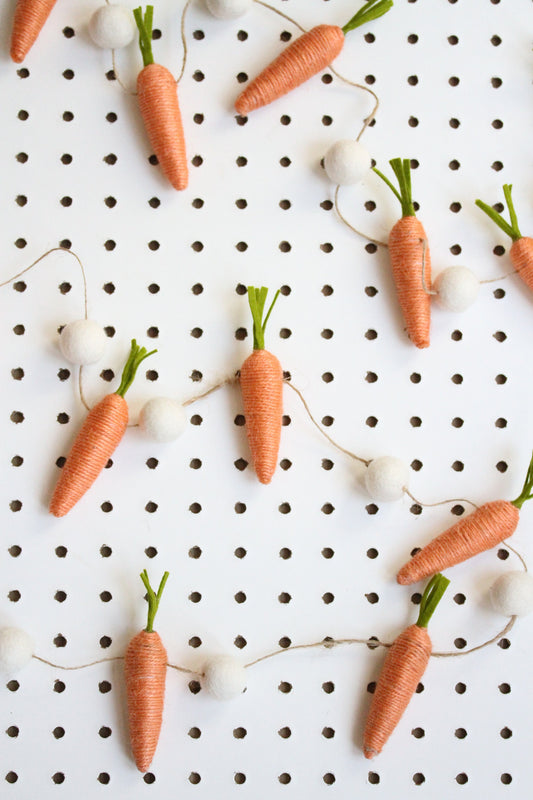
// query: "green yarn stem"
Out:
[135,358]
[153,598]
[431,598]
[527,489]
[512,229]
[402,170]
[257,299]
[367,13]
[145,25]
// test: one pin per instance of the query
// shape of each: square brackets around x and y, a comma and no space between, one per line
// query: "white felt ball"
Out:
[224,677]
[162,419]
[347,162]
[228,9]
[112,27]
[512,594]
[386,478]
[16,650]
[457,288]
[83,341]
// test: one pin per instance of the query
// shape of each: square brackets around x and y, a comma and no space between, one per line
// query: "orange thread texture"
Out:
[145,665]
[521,254]
[96,441]
[30,16]
[158,103]
[302,59]
[405,248]
[262,395]
[404,666]
[486,527]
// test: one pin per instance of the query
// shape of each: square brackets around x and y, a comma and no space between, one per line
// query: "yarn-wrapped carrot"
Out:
[303,58]
[484,528]
[30,16]
[262,390]
[521,252]
[145,667]
[97,439]
[158,102]
[402,671]
[410,258]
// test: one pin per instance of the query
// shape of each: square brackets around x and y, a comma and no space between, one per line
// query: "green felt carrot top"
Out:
[431,598]
[153,598]
[367,13]
[135,359]
[145,25]
[511,229]
[402,170]
[257,299]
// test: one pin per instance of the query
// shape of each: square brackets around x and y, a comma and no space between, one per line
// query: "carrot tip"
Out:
[369,752]
[402,578]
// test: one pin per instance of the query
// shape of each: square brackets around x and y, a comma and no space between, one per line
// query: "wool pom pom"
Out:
[162,419]
[224,677]
[386,478]
[457,288]
[228,9]
[16,650]
[347,162]
[112,27]
[83,341]
[512,594]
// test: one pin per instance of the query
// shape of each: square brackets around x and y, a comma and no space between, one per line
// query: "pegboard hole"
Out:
[461,733]
[462,778]
[418,778]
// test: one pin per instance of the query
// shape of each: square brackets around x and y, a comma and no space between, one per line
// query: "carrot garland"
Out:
[410,257]
[97,439]
[303,58]
[521,252]
[145,666]
[158,103]
[484,528]
[30,16]
[402,671]
[262,389]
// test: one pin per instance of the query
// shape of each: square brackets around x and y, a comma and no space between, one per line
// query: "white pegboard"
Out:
[236,549]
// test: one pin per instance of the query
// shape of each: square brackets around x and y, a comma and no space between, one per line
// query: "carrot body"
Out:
[302,59]
[404,666]
[486,527]
[521,254]
[97,439]
[145,666]
[158,103]
[405,248]
[262,394]
[30,16]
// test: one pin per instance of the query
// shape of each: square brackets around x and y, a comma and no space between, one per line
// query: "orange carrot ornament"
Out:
[521,252]
[30,16]
[97,439]
[410,258]
[303,58]
[145,668]
[262,390]
[158,102]
[484,528]
[402,671]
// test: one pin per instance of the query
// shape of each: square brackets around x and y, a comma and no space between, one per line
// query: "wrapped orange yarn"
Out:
[30,16]
[410,258]
[159,107]
[261,382]
[403,668]
[145,666]
[521,252]
[303,58]
[97,439]
[484,528]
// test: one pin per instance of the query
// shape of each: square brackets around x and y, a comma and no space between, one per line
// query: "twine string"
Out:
[440,502]
[327,643]
[350,226]
[355,457]
[44,255]
[425,287]
[371,117]
[184,41]
[280,14]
